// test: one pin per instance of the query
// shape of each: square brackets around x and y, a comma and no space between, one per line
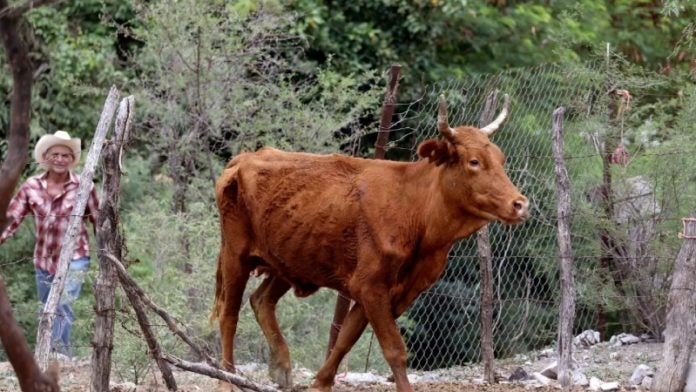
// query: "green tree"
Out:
[442,39]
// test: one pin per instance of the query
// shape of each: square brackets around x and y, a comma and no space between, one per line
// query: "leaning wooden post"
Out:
[342,300]
[681,319]
[109,241]
[43,336]
[483,244]
[567,311]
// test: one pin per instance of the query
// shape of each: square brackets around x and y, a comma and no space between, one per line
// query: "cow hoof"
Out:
[282,377]
[317,388]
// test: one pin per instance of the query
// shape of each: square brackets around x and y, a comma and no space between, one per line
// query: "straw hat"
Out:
[60,138]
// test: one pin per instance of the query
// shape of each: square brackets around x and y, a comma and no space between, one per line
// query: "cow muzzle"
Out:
[520,208]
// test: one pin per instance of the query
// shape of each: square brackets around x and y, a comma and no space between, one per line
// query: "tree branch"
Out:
[128,282]
[205,369]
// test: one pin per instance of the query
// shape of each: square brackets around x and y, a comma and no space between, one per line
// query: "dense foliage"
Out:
[214,78]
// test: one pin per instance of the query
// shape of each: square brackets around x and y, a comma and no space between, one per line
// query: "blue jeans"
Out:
[62,326]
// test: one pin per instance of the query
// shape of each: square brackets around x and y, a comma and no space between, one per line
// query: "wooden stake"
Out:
[567,311]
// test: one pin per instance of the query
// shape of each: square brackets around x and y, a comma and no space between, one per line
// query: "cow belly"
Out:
[309,247]
[308,256]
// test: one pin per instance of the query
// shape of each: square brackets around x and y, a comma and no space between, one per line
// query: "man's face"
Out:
[58,159]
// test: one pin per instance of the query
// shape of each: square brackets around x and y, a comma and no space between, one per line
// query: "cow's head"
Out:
[473,175]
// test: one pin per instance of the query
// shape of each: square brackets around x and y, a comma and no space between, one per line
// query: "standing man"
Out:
[50,197]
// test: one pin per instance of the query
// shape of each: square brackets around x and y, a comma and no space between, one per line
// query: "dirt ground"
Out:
[604,361]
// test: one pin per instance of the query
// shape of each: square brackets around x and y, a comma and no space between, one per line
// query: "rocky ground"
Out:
[607,362]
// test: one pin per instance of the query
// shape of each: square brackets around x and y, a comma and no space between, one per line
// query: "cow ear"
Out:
[436,151]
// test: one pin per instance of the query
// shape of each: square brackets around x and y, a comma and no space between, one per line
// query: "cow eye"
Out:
[474,162]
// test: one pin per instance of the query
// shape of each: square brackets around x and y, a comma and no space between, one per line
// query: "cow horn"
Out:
[442,123]
[492,127]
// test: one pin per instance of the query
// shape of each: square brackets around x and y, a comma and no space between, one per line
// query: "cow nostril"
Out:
[518,205]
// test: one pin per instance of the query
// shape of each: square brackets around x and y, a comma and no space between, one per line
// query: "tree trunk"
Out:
[109,241]
[20,356]
[681,319]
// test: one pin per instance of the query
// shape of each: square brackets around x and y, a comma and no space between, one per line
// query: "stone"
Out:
[609,386]
[639,374]
[580,379]
[647,383]
[551,371]
[623,339]
[518,374]
[587,338]
[595,384]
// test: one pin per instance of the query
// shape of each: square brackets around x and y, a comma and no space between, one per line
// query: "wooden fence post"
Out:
[483,244]
[567,311]
[43,338]
[342,300]
[109,241]
[681,318]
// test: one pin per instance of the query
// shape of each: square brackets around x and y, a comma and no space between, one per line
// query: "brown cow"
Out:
[377,230]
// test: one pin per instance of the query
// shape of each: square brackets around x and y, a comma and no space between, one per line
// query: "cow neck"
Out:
[444,224]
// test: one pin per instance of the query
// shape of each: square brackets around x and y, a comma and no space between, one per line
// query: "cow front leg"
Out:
[353,327]
[264,301]
[378,310]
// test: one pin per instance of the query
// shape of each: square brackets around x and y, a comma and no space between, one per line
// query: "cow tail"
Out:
[225,191]
[219,292]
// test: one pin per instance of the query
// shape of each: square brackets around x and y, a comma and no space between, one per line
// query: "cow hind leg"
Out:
[263,302]
[235,271]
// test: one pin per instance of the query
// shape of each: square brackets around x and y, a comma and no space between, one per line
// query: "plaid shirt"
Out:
[51,216]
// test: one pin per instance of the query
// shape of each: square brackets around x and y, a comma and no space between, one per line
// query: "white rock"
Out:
[639,374]
[587,338]
[624,339]
[579,378]
[630,339]
[647,382]
[609,386]
[546,353]
[595,384]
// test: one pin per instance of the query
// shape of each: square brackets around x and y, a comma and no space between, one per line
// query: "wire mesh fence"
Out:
[620,285]
[626,212]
